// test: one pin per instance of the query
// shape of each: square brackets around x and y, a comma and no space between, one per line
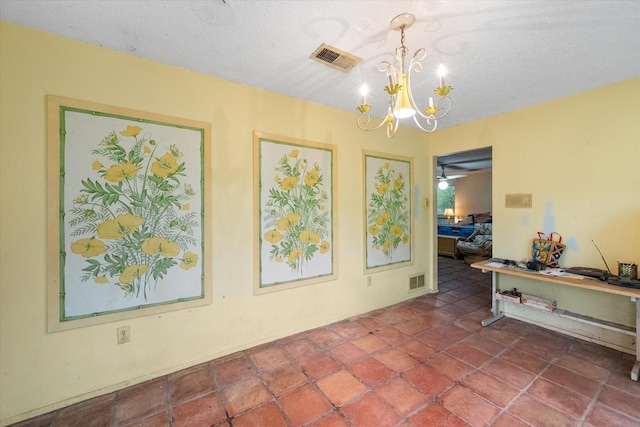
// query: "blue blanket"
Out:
[463,231]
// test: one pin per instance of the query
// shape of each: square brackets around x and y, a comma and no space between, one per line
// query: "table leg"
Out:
[495,303]
[635,371]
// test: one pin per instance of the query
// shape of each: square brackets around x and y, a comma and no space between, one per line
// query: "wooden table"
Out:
[585,283]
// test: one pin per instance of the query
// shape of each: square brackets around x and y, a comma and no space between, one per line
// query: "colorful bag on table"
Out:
[547,250]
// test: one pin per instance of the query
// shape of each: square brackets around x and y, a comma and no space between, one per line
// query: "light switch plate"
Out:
[518,200]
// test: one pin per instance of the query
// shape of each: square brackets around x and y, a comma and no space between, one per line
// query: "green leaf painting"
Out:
[296,212]
[388,210]
[132,213]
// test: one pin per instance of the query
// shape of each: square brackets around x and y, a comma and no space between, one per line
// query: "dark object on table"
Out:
[589,272]
[628,270]
[623,281]
[535,265]
[605,276]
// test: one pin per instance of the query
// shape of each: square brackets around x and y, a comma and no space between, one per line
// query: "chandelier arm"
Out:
[392,127]
[384,66]
[446,108]
[419,55]
[415,65]
[433,123]
[363,119]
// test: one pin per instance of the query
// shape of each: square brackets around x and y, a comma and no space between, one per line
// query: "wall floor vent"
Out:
[416,282]
[335,58]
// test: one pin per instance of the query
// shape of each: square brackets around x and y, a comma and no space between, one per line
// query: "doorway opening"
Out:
[463,196]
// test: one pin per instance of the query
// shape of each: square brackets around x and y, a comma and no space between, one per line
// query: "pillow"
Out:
[482,216]
[483,228]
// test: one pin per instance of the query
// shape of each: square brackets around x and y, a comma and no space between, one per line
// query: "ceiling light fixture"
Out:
[443,184]
[401,103]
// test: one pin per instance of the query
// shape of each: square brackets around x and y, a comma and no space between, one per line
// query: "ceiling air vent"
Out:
[416,282]
[336,58]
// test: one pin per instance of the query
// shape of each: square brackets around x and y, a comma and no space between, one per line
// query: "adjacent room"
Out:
[464,200]
[206,220]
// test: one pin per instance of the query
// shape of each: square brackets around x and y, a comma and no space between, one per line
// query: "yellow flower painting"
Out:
[132,221]
[295,216]
[387,214]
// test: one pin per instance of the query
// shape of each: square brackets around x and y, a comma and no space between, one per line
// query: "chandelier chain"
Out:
[403,48]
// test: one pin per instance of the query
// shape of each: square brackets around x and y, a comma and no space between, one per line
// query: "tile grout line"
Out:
[594,399]
[524,390]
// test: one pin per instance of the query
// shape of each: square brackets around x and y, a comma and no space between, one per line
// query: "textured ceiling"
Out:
[500,55]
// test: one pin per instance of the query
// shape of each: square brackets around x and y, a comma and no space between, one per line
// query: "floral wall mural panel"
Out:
[387,217]
[131,211]
[295,198]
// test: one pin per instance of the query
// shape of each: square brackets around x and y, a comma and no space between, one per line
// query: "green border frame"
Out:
[258,138]
[367,191]
[57,108]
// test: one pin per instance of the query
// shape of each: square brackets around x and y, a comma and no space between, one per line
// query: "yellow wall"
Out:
[579,157]
[41,371]
[473,194]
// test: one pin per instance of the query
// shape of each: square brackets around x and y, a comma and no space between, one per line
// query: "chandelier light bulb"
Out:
[441,73]
[363,91]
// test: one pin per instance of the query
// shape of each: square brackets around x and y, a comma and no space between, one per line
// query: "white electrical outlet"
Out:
[124,334]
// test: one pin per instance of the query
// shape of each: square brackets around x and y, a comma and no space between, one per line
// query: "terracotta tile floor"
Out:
[424,362]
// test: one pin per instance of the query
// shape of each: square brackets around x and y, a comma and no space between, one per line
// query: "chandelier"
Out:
[401,103]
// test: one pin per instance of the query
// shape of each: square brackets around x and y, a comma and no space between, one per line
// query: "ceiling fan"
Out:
[443,184]
[444,177]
